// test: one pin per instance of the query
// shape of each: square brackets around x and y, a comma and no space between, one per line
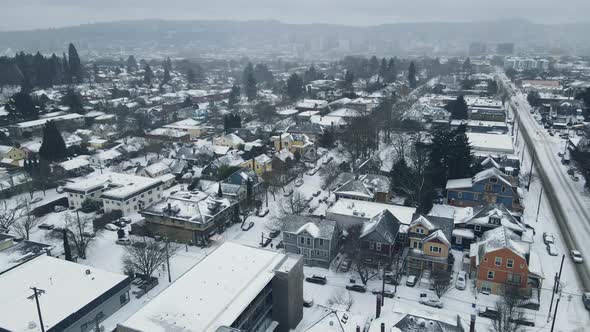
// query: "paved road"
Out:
[570,208]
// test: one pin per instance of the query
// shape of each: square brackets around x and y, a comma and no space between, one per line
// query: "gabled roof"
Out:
[438,235]
[492,172]
[385,223]
[483,213]
[356,188]
[433,223]
[316,227]
[496,239]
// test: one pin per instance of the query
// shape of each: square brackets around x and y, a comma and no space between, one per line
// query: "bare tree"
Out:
[343,298]
[329,173]
[276,222]
[509,315]
[146,258]
[400,142]
[441,280]
[352,247]
[25,224]
[294,204]
[10,212]
[272,183]
[79,232]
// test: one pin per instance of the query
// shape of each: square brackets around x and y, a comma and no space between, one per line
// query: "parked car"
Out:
[274,233]
[411,281]
[565,161]
[47,227]
[317,193]
[386,293]
[88,234]
[552,249]
[119,223]
[560,154]
[125,220]
[280,245]
[391,278]
[325,162]
[575,178]
[123,242]
[315,279]
[356,288]
[488,313]
[248,226]
[577,256]
[431,301]
[345,265]
[461,282]
[59,208]
[586,300]
[307,302]
[548,238]
[262,212]
[288,193]
[111,227]
[298,182]
[308,199]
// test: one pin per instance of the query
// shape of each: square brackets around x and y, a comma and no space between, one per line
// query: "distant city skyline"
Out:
[41,14]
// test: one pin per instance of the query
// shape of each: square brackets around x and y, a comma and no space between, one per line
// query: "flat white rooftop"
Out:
[211,294]
[67,289]
[348,207]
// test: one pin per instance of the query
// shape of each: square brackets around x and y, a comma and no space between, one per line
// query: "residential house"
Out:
[567,112]
[74,167]
[487,186]
[153,170]
[231,140]
[482,219]
[260,164]
[193,127]
[502,258]
[312,105]
[168,135]
[429,241]
[190,217]
[314,238]
[348,212]
[368,187]
[295,143]
[312,130]
[381,238]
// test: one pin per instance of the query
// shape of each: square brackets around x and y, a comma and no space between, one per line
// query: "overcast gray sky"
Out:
[29,14]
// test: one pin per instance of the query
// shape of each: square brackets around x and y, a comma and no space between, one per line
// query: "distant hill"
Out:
[205,36]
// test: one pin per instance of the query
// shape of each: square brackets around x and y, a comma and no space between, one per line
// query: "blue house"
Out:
[486,187]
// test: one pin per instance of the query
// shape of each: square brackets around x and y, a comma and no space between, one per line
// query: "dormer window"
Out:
[495,220]
[493,180]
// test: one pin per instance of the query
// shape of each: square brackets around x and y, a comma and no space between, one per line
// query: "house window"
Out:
[510,263]
[475,196]
[302,240]
[124,298]
[493,180]
[485,259]
[415,245]
[317,252]
[477,228]
[420,230]
[371,245]
[486,289]
[495,220]
[459,194]
[491,275]
[435,249]
[522,266]
[503,188]
[378,246]
[308,241]
[321,242]
[325,253]
[498,261]
[488,187]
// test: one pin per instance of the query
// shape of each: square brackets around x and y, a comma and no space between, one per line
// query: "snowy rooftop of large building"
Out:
[370,209]
[68,287]
[491,142]
[211,294]
[123,184]
[195,207]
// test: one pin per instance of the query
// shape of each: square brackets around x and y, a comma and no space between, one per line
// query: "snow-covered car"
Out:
[59,208]
[431,302]
[111,227]
[461,282]
[552,249]
[298,182]
[356,288]
[548,238]
[317,193]
[288,193]
[308,302]
[47,227]
[125,220]
[248,226]
[273,234]
[262,212]
[411,281]
[123,242]
[316,279]
[577,256]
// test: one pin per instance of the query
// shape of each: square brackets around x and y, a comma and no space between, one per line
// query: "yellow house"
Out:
[429,245]
[294,143]
[12,155]
[260,164]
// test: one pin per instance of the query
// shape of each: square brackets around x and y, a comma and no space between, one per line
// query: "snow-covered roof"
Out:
[384,223]
[492,172]
[310,228]
[421,220]
[490,142]
[437,235]
[156,168]
[68,287]
[496,239]
[75,163]
[213,293]
[195,207]
[318,228]
[459,183]
[367,210]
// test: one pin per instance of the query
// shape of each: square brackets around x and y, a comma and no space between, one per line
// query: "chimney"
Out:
[378,308]
[358,328]
[169,207]
[382,327]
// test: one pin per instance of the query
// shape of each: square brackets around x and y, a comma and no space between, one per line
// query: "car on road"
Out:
[111,227]
[46,227]
[411,281]
[298,182]
[552,249]
[288,193]
[123,242]
[125,220]
[548,238]
[488,313]
[560,154]
[248,226]
[586,300]
[386,293]
[461,282]
[262,212]
[356,288]
[577,256]
[59,208]
[317,193]
[431,301]
[274,233]
[307,302]
[316,279]
[119,223]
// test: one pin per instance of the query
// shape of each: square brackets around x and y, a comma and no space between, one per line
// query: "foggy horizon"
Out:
[47,14]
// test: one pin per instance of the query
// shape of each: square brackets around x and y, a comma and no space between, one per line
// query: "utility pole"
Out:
[168,261]
[555,314]
[560,269]
[539,205]
[36,293]
[552,296]
[531,171]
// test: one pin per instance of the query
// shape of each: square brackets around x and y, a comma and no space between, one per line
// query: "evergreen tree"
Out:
[391,71]
[458,108]
[467,66]
[412,75]
[168,64]
[76,70]
[53,147]
[190,76]
[294,87]
[348,80]
[248,72]
[219,191]
[148,75]
[22,106]
[166,78]
[234,96]
[66,69]
[311,74]
[251,89]
[262,74]
[383,69]
[460,159]
[131,64]
[373,66]
[73,100]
